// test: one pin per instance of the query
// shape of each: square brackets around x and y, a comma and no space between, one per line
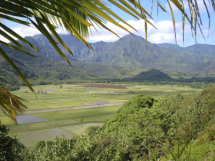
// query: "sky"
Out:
[163,22]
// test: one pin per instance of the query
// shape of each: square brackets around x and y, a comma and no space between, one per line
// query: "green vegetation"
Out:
[142,129]
[152,75]
[10,147]
[73,95]
[48,67]
[130,51]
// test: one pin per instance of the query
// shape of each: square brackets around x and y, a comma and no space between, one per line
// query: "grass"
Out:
[79,129]
[65,118]
[73,96]
[30,138]
[71,114]
[62,122]
[98,118]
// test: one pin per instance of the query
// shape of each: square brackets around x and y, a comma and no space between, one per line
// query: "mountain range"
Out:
[127,57]
[132,51]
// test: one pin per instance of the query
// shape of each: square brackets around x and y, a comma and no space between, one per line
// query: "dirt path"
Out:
[74,108]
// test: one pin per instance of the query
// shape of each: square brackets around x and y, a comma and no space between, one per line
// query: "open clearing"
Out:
[71,109]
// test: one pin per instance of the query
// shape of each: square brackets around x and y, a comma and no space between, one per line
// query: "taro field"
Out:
[69,109]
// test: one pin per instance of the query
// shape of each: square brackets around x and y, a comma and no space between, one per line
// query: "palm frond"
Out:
[10,104]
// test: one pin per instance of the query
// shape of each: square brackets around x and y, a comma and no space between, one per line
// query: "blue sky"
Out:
[164,34]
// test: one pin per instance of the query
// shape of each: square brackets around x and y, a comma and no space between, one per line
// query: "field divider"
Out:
[58,126]
[73,108]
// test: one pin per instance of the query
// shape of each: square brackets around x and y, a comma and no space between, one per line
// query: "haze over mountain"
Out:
[132,51]
[49,67]
[204,49]
[124,58]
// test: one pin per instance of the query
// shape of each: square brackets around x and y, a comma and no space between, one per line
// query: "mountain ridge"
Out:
[132,51]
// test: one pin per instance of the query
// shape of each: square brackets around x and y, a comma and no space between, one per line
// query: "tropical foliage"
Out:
[10,104]
[143,129]
[10,147]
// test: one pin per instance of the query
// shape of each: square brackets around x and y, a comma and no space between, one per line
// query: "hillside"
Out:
[42,69]
[38,70]
[202,49]
[179,127]
[152,75]
[110,60]
[132,51]
[188,118]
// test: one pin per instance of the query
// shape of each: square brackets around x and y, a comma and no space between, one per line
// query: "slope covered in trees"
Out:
[44,68]
[152,75]
[132,51]
[202,49]
[142,129]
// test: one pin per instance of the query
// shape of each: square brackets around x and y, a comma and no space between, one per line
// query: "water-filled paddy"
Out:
[29,119]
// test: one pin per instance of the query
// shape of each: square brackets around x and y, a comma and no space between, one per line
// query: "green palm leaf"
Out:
[10,104]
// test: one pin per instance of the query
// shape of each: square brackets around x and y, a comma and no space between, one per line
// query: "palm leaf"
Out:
[16,48]
[14,19]
[209,18]
[11,32]
[9,61]
[10,104]
[173,19]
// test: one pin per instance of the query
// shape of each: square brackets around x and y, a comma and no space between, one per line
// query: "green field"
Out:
[73,122]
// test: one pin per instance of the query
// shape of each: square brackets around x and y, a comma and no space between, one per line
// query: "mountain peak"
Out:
[132,36]
[152,74]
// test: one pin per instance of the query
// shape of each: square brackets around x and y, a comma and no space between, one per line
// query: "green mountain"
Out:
[123,58]
[132,51]
[38,70]
[204,68]
[42,69]
[153,74]
[202,49]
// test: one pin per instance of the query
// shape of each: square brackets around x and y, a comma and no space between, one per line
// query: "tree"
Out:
[10,147]
[76,16]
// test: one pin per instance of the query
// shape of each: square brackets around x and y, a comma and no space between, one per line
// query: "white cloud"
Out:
[29,31]
[3,39]
[162,38]
[164,34]
[26,31]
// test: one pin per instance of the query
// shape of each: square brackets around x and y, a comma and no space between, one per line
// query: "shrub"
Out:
[10,148]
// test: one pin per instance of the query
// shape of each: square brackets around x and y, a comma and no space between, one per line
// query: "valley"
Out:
[121,93]
[70,108]
[78,84]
